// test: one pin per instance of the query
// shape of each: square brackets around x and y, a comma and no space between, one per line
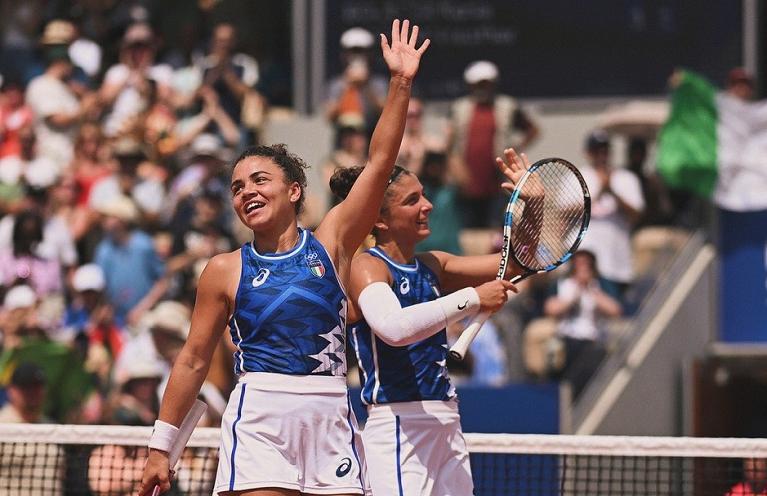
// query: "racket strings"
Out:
[548,217]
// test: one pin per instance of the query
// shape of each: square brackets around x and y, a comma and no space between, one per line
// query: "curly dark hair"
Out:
[291,164]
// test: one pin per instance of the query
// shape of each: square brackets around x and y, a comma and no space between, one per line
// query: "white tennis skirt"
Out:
[289,432]
[416,448]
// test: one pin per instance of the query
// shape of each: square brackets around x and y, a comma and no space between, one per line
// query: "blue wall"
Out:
[743,276]
[516,408]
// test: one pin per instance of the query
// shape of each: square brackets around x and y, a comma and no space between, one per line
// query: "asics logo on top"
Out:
[261,277]
[344,468]
[463,305]
[404,286]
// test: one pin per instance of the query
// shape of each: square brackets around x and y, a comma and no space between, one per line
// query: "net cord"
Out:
[542,444]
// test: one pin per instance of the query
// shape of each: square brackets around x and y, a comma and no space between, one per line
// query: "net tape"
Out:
[90,460]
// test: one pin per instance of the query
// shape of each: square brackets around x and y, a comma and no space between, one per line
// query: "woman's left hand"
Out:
[402,57]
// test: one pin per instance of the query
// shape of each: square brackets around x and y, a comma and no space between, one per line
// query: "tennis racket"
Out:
[184,433]
[547,215]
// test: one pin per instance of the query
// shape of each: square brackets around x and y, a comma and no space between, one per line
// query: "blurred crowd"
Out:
[114,193]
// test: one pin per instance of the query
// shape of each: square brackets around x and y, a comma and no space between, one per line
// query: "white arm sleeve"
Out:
[398,326]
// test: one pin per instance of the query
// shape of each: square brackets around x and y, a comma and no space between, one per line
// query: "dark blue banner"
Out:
[743,276]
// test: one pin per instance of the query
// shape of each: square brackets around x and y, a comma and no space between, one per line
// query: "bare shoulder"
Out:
[225,262]
[367,269]
[222,273]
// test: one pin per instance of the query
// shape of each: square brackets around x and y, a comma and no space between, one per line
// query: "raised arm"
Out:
[346,225]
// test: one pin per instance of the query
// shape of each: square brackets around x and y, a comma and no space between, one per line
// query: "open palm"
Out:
[402,56]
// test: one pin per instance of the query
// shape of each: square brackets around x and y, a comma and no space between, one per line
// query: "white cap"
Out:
[41,172]
[140,366]
[357,38]
[121,207]
[19,297]
[11,168]
[481,70]
[172,316]
[88,277]
[207,145]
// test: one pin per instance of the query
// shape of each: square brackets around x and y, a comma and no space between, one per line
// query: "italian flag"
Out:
[715,145]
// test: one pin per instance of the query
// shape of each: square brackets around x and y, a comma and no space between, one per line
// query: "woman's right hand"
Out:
[494,294]
[156,473]
[402,57]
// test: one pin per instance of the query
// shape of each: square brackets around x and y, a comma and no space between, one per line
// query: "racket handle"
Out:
[461,346]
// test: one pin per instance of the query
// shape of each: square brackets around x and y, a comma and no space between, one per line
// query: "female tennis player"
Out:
[287,429]
[412,441]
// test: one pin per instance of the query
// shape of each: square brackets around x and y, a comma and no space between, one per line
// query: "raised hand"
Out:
[402,57]
[513,168]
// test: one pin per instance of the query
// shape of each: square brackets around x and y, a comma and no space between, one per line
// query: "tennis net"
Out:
[107,460]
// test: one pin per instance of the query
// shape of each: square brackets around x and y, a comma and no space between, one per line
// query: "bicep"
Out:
[211,312]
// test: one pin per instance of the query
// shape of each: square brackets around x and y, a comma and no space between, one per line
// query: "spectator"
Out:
[46,196]
[352,150]
[195,242]
[20,24]
[26,396]
[616,206]
[19,321]
[482,124]
[89,319]
[130,263]
[41,471]
[15,116]
[231,75]
[740,84]
[445,220]
[135,402]
[58,111]
[658,209]
[135,178]
[125,84]
[582,303]
[356,93]
[27,169]
[22,261]
[205,172]
[164,332]
[91,161]
[754,479]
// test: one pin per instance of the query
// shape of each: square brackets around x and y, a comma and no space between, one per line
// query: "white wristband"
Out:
[163,436]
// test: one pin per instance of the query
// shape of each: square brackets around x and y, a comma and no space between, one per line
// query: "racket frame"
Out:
[461,346]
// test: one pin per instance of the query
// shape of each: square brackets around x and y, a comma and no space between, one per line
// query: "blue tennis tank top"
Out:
[290,312]
[416,372]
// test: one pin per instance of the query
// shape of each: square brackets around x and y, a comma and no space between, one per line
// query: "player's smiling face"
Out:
[260,194]
[407,209]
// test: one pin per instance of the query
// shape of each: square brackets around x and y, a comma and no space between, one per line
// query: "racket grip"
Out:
[461,346]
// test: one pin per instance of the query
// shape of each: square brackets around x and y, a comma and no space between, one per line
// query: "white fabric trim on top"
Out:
[406,268]
[283,255]
[239,350]
[359,363]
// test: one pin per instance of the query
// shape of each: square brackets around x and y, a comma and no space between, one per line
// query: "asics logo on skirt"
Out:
[344,468]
